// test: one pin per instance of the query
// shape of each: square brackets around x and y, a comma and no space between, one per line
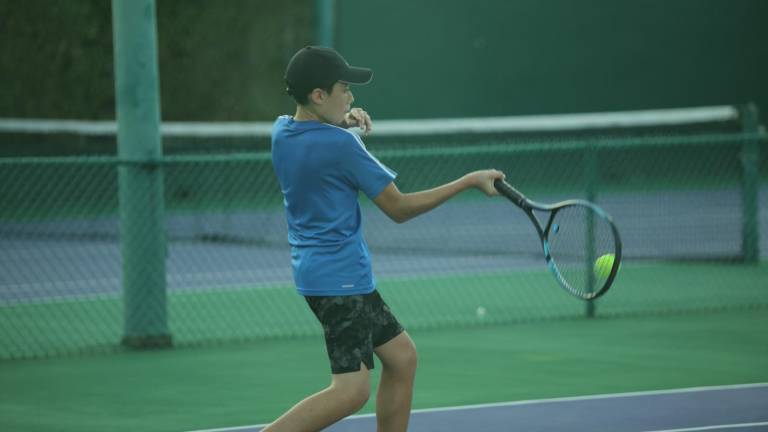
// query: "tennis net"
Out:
[687,188]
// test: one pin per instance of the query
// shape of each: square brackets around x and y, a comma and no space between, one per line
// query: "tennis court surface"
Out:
[723,408]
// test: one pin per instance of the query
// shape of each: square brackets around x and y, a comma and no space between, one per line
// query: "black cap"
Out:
[318,67]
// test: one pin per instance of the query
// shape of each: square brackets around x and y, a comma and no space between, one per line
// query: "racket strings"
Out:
[577,237]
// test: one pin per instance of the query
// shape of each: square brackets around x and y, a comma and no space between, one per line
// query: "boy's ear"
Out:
[317,96]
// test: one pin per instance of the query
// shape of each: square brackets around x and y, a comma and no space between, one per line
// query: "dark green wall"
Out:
[219,60]
[224,60]
[445,58]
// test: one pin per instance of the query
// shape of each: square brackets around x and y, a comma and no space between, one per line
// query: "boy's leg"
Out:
[393,401]
[347,330]
[347,393]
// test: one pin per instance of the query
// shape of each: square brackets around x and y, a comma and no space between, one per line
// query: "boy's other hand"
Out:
[357,117]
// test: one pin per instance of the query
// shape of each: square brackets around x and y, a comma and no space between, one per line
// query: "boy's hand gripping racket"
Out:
[580,241]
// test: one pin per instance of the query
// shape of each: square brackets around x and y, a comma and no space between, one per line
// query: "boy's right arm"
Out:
[401,207]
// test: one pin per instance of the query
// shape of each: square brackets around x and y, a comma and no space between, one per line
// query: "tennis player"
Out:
[321,167]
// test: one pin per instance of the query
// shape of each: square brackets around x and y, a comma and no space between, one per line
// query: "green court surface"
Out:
[194,388]
[93,324]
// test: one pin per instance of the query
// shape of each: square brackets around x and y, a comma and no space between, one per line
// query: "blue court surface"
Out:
[742,408]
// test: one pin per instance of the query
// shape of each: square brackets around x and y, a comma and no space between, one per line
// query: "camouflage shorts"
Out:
[353,326]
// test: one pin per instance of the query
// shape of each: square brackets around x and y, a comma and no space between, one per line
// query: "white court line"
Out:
[714,427]
[558,400]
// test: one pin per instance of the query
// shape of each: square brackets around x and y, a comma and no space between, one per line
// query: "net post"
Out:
[592,176]
[142,212]
[325,23]
[750,246]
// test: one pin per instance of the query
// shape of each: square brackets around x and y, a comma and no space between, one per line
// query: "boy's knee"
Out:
[408,355]
[410,358]
[405,359]
[353,394]
[358,397]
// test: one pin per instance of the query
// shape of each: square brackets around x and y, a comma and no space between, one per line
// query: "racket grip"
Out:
[511,193]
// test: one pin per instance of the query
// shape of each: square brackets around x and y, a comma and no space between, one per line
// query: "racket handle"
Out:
[511,193]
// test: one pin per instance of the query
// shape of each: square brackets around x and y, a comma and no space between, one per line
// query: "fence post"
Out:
[592,176]
[325,22]
[750,184]
[142,230]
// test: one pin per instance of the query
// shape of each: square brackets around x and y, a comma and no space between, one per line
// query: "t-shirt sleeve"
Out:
[363,170]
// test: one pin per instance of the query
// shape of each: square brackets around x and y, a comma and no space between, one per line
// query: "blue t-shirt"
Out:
[321,168]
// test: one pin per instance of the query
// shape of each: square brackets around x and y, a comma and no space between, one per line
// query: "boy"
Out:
[321,168]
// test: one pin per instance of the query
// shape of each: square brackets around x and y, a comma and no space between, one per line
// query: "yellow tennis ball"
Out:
[603,265]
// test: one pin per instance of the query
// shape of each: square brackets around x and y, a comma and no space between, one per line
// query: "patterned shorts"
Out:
[353,326]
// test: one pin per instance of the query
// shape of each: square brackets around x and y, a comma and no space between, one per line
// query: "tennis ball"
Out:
[603,265]
[480,312]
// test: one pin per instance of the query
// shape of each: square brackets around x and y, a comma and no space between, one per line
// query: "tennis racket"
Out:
[581,243]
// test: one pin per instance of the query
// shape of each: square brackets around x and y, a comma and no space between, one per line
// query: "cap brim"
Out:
[357,75]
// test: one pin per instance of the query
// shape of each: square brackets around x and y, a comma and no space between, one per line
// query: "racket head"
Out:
[582,248]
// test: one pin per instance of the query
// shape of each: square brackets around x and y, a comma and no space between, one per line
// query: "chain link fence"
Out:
[692,209]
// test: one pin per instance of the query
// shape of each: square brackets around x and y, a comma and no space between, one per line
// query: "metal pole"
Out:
[325,22]
[591,166]
[750,245]
[142,233]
